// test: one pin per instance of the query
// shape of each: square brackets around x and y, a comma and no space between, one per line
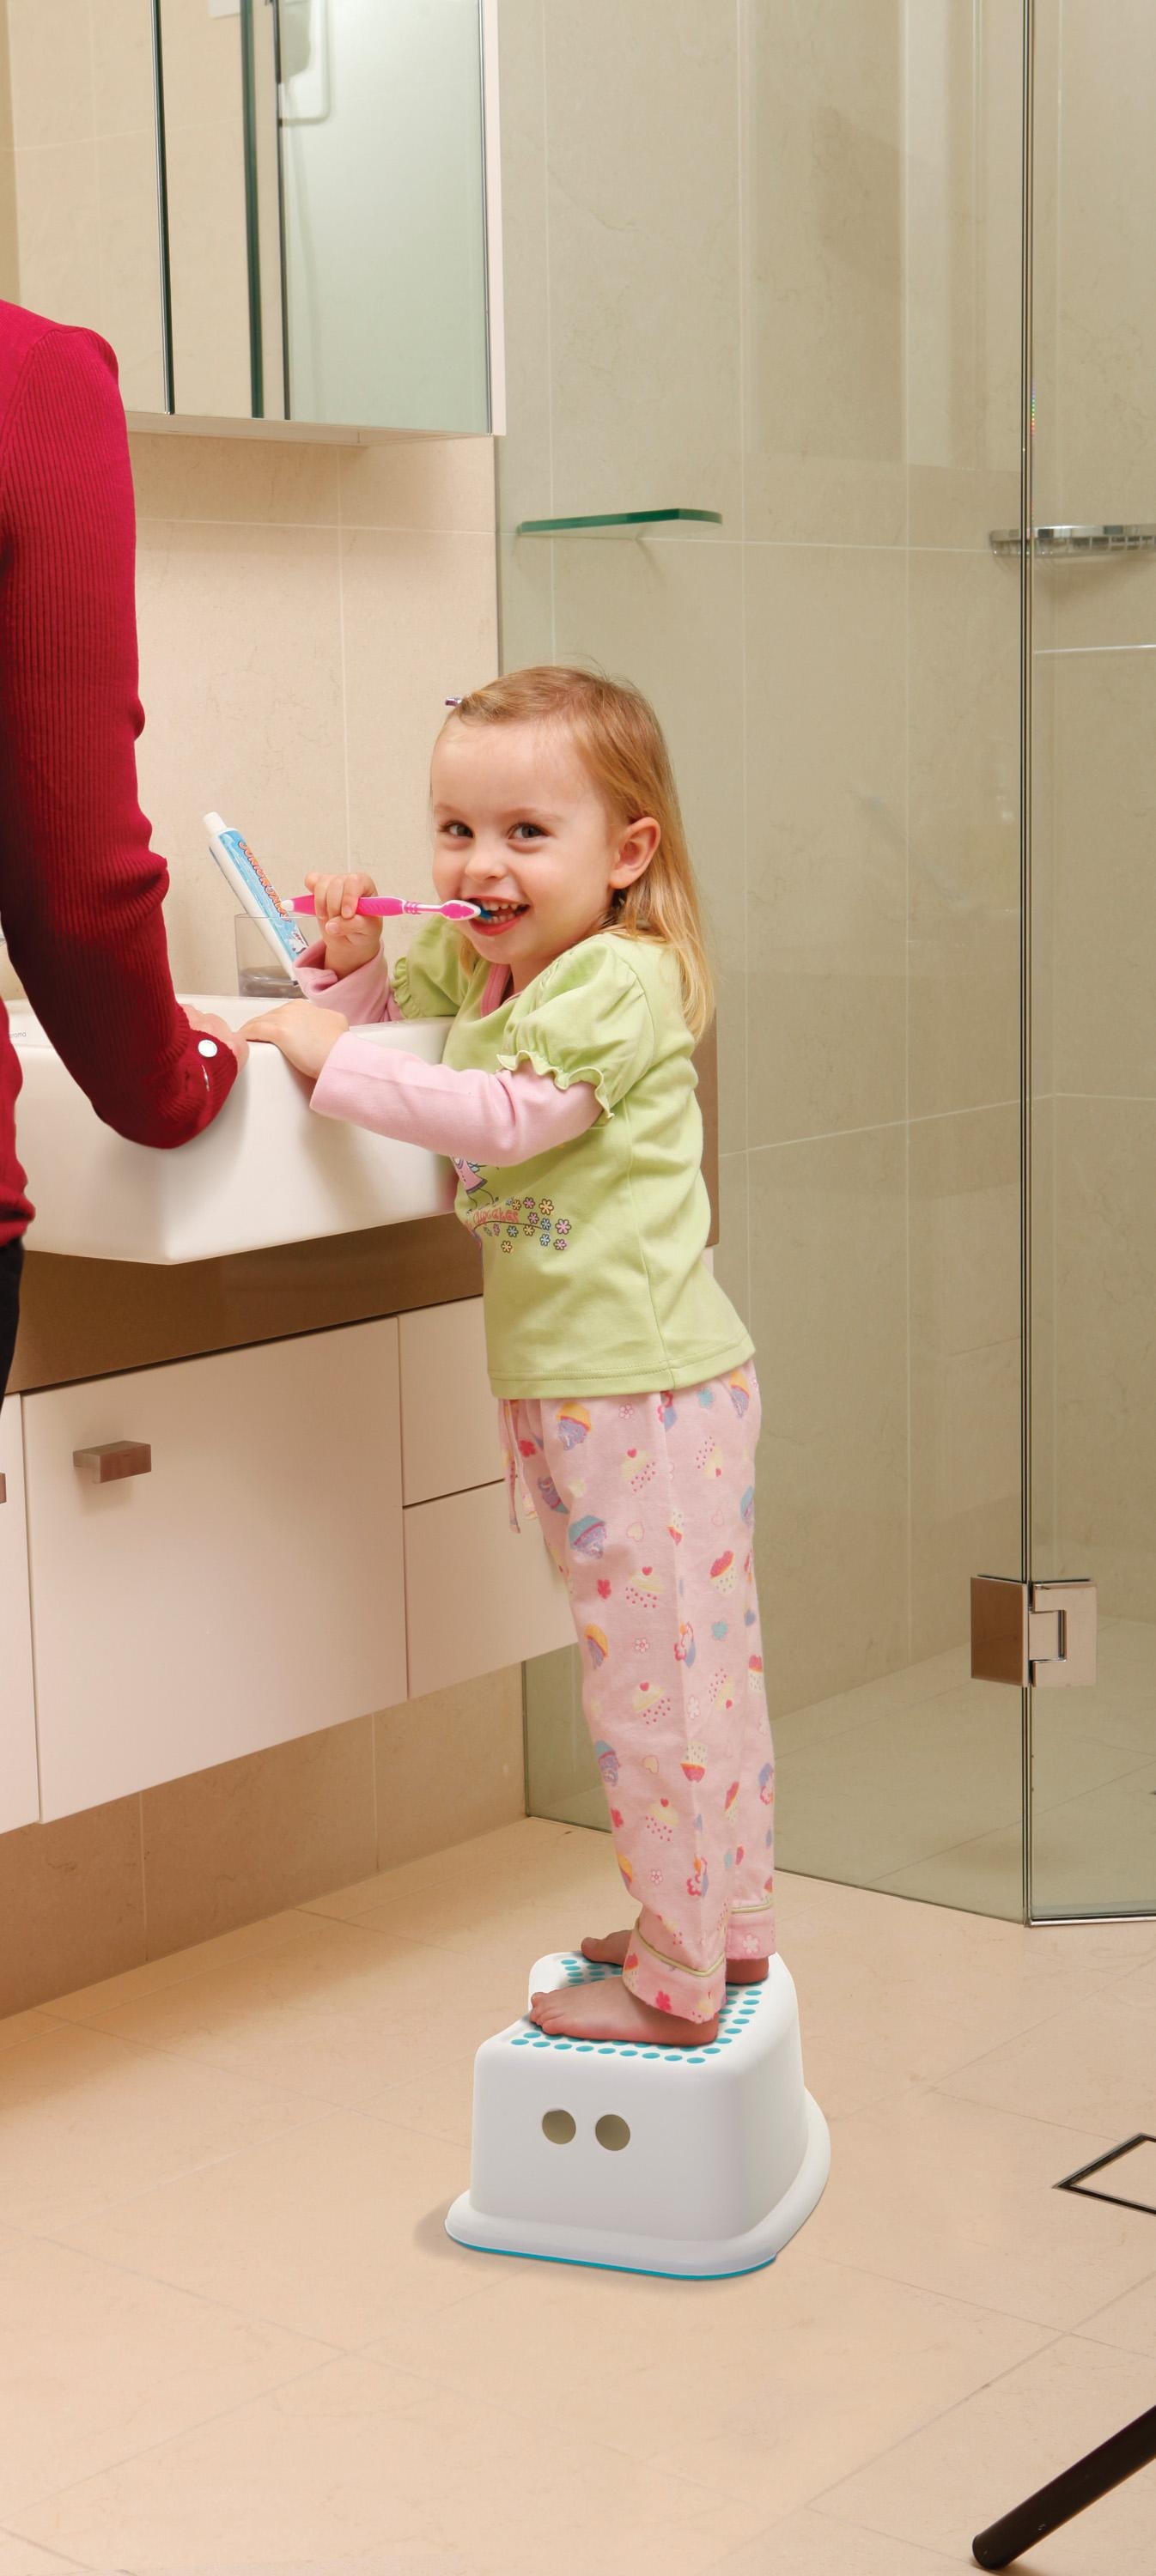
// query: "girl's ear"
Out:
[636,849]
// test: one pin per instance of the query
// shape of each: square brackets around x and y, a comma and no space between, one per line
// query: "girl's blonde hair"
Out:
[624,751]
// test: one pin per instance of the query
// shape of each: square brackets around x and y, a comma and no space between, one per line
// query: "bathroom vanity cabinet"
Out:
[313,1524]
[307,1530]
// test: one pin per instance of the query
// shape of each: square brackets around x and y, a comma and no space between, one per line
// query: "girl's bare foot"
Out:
[612,1951]
[608,2010]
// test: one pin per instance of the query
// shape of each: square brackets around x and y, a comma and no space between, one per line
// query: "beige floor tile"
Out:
[23,2558]
[805,2544]
[892,1996]
[312,2231]
[913,1684]
[510,1859]
[962,2201]
[330,2028]
[978,2459]
[833,2364]
[983,1876]
[358,2458]
[85,2118]
[439,2100]
[1092,2067]
[1130,2320]
[294,1929]
[96,2365]
[18,2027]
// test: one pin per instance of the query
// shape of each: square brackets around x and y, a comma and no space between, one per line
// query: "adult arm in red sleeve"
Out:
[80,890]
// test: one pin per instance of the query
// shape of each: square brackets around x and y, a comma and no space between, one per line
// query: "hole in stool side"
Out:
[559,2127]
[612,2132]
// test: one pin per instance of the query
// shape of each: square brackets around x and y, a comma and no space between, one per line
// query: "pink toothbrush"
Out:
[391,904]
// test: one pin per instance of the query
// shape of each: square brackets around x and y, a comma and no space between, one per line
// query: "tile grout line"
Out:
[940,2417]
[885,1126]
[306,527]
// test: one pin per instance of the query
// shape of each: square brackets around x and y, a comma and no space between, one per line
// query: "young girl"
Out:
[566,1099]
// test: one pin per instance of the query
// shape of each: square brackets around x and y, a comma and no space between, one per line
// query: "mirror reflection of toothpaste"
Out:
[253,890]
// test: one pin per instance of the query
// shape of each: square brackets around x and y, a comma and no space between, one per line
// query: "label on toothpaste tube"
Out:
[293,940]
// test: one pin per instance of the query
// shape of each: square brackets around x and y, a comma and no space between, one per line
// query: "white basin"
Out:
[266,1171]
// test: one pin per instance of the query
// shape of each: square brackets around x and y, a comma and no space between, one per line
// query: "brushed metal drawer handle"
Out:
[114,1460]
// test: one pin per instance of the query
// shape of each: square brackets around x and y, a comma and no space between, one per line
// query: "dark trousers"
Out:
[11,1257]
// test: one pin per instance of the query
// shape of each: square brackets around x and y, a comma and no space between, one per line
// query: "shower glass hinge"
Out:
[1038,1633]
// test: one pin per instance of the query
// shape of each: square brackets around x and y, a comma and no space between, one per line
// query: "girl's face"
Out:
[520,828]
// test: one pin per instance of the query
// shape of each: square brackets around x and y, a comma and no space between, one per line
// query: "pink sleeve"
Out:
[493,1118]
[362,997]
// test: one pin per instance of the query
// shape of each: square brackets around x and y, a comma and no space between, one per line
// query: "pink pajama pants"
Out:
[646,1504]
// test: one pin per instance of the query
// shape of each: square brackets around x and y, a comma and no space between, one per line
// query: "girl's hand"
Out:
[351,937]
[305,1034]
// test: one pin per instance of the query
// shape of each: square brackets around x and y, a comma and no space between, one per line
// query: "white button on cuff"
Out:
[206,1046]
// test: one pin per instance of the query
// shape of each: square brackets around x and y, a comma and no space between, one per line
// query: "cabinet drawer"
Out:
[19,1796]
[247,1588]
[477,1593]
[449,1419]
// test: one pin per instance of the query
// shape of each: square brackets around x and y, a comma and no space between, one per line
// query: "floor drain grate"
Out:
[1136,2174]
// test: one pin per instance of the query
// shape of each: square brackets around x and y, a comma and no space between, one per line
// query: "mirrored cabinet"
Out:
[279,212]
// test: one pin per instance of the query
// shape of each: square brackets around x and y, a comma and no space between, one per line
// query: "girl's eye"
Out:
[452,830]
[534,829]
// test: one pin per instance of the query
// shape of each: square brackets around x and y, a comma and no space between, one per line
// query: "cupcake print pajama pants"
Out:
[646,1504]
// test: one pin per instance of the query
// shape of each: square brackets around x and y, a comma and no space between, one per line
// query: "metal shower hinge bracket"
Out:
[1042,1634]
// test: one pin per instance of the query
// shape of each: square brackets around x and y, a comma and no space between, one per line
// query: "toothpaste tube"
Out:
[253,890]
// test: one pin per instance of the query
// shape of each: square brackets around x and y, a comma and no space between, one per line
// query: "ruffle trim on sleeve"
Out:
[402,994]
[539,1063]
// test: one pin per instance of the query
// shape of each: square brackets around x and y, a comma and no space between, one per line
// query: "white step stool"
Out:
[694,2162]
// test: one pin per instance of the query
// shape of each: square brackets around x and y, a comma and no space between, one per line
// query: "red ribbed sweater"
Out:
[80,890]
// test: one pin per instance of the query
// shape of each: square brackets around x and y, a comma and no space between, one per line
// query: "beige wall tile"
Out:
[1042,1358]
[965,1367]
[669,616]
[58,221]
[525,595]
[1105,1295]
[822,262]
[1096,600]
[732,1251]
[120,36]
[644,288]
[283,482]
[1094,448]
[963,644]
[449,1766]
[9,234]
[240,637]
[826,804]
[1105,888]
[420,627]
[72,1903]
[445,483]
[128,313]
[246,1838]
[828,1315]
[51,60]
[963,188]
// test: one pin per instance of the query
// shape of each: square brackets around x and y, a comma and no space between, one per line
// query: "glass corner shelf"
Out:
[613,519]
